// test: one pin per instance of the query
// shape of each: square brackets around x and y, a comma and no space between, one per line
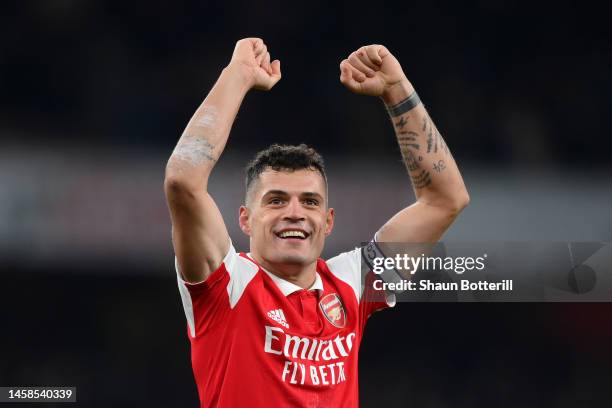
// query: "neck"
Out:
[300,275]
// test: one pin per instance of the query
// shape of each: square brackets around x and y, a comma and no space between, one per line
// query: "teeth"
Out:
[286,234]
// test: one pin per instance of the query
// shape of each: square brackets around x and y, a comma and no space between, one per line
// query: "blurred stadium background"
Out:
[94,95]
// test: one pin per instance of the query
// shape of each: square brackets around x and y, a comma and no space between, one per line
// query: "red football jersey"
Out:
[259,340]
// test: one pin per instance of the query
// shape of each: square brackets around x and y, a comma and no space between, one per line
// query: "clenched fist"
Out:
[371,70]
[252,58]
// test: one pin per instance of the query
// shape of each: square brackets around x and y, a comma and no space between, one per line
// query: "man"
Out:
[278,326]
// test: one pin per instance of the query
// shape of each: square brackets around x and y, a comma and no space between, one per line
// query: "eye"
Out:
[275,201]
[311,202]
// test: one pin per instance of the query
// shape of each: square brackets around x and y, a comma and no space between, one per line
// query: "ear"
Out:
[243,220]
[329,221]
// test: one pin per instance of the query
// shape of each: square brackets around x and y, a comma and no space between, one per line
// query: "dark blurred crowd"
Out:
[524,83]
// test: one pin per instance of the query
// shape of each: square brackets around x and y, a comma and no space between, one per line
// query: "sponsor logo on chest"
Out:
[310,361]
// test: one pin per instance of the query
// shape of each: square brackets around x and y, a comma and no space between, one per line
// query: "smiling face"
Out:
[287,218]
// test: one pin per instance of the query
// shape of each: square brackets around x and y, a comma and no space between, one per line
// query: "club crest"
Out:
[332,309]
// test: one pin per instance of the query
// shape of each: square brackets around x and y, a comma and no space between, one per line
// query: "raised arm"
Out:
[199,234]
[439,188]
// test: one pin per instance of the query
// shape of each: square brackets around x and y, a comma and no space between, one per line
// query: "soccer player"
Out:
[278,326]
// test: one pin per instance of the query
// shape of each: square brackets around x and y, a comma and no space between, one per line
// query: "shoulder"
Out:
[234,274]
[347,267]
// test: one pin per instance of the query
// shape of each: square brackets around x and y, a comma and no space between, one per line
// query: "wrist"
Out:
[240,74]
[397,92]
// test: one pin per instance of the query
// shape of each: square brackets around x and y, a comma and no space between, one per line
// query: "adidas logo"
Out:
[278,316]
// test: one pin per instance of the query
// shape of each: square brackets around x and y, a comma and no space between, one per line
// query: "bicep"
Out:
[418,223]
[199,235]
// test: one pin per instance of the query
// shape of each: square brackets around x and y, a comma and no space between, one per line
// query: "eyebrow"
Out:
[306,194]
[309,194]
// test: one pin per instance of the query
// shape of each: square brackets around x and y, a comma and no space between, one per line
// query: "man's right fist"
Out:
[251,56]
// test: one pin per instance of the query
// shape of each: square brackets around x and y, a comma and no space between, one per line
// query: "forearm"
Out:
[434,174]
[206,134]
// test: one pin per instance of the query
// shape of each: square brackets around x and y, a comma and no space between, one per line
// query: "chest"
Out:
[304,324]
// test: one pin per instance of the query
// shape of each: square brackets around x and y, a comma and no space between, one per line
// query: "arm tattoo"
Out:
[407,139]
[421,180]
[439,166]
[410,142]
[410,160]
[194,150]
[434,138]
[208,118]
[402,122]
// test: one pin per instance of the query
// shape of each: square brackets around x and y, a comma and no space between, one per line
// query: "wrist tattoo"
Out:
[405,105]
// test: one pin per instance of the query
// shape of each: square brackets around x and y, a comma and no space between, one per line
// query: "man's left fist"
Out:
[371,70]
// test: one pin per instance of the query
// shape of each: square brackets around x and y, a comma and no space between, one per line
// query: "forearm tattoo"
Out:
[434,138]
[410,149]
[192,149]
[417,140]
[208,118]
[421,180]
[439,166]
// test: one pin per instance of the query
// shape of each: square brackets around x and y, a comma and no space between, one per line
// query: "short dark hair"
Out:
[284,158]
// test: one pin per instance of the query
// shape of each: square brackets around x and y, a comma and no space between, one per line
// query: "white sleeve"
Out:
[240,270]
[347,268]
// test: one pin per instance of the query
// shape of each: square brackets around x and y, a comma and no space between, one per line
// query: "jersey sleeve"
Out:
[350,268]
[208,302]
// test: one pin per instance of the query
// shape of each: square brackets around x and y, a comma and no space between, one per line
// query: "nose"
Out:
[294,211]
